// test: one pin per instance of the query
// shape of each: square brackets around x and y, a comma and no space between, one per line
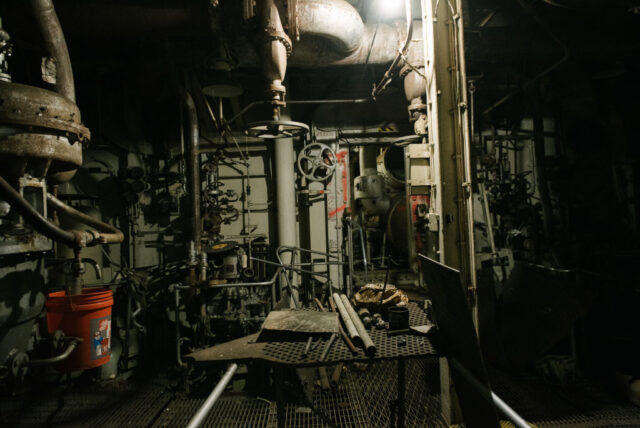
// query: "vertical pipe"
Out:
[286,199]
[56,45]
[194,169]
[367,159]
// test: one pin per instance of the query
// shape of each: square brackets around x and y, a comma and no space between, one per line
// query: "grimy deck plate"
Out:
[302,321]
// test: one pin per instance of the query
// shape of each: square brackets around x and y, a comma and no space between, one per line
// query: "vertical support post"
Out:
[451,164]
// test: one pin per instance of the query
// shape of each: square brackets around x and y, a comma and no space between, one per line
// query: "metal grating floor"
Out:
[364,398]
[581,405]
[107,405]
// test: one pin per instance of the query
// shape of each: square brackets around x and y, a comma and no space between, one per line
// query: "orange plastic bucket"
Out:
[86,315]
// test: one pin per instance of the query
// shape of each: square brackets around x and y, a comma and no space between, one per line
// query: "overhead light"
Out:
[389,8]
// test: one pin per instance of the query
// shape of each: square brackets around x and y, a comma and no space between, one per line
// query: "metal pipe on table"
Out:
[348,322]
[369,346]
[489,395]
[204,410]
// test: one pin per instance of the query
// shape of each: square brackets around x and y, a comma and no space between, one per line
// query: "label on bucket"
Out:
[100,337]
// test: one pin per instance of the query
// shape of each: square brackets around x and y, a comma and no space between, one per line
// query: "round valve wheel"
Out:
[271,129]
[317,162]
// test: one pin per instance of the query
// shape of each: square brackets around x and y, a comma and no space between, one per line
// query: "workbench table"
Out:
[288,353]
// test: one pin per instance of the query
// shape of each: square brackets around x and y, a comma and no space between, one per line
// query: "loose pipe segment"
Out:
[369,346]
[348,322]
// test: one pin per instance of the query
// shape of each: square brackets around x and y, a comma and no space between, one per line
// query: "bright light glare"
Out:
[389,7]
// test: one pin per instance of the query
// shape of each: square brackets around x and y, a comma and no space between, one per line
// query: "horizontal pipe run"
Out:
[348,322]
[335,101]
[33,217]
[242,284]
[47,361]
[203,411]
[108,234]
[369,346]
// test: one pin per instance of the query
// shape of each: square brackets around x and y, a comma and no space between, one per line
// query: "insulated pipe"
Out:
[203,411]
[377,46]
[286,200]
[195,186]
[335,20]
[369,346]
[367,158]
[108,234]
[56,45]
[348,322]
[386,79]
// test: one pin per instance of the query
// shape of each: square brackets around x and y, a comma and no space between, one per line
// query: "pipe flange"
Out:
[272,129]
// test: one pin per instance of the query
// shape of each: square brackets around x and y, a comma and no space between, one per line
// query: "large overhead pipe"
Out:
[339,37]
[56,45]
[195,186]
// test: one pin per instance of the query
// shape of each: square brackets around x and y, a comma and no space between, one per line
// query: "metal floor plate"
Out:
[364,398]
[581,405]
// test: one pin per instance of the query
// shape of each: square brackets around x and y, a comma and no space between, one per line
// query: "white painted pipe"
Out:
[348,323]
[369,346]
[286,199]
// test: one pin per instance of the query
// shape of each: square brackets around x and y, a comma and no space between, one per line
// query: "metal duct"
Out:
[335,20]
[333,34]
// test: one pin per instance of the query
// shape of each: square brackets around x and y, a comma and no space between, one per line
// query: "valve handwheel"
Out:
[317,162]
[274,129]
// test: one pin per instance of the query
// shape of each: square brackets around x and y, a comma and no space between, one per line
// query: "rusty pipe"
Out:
[194,170]
[107,234]
[56,45]
[72,238]
[31,215]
